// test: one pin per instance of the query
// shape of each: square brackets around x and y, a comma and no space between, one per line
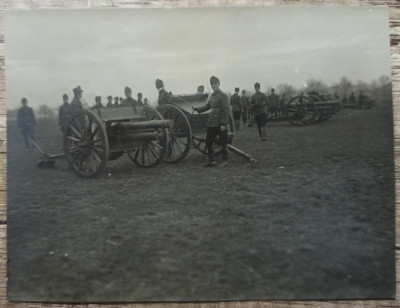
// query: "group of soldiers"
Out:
[67,108]
[254,109]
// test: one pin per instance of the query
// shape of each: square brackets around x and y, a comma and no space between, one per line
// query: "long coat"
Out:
[218,103]
[163,97]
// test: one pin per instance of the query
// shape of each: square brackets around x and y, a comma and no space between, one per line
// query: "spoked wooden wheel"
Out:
[151,153]
[199,141]
[86,144]
[301,111]
[180,136]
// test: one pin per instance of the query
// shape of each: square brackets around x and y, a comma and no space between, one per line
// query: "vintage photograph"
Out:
[199,154]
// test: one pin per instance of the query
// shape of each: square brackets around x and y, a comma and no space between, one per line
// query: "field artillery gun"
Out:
[306,110]
[92,137]
[190,128]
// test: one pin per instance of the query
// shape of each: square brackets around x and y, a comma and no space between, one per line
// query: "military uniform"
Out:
[219,115]
[273,104]
[129,101]
[163,97]
[64,115]
[76,104]
[236,109]
[26,122]
[259,101]
[245,107]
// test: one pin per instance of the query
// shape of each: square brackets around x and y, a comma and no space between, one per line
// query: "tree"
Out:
[384,80]
[286,89]
[345,86]
[45,112]
[314,85]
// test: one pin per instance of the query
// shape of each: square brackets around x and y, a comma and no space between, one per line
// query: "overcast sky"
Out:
[49,52]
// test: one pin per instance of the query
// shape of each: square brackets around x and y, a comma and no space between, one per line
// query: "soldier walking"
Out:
[245,106]
[217,122]
[64,113]
[26,122]
[163,96]
[236,108]
[259,102]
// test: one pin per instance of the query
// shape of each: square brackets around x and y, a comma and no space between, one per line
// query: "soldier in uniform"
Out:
[139,99]
[217,122]
[116,101]
[163,96]
[121,99]
[236,108]
[245,106]
[283,108]
[273,103]
[128,101]
[26,122]
[76,103]
[98,103]
[109,103]
[146,103]
[64,113]
[259,102]
[352,99]
[200,89]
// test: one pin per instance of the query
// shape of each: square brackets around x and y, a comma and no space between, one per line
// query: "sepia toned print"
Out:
[168,195]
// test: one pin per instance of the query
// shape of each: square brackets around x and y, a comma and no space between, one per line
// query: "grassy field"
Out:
[312,219]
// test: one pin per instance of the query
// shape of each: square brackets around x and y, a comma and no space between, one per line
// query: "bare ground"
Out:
[313,219]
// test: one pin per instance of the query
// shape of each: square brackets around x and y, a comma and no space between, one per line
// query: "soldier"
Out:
[273,103]
[360,99]
[236,108]
[26,122]
[146,102]
[109,103]
[245,106]
[282,106]
[116,103]
[139,99]
[121,99]
[98,103]
[259,102]
[216,123]
[64,113]
[128,101]
[200,89]
[352,99]
[163,96]
[76,103]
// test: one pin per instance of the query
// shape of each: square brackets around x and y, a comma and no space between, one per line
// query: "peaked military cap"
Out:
[159,83]
[77,90]
[256,85]
[213,80]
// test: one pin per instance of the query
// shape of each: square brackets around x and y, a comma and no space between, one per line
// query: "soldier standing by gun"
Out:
[26,122]
[128,101]
[236,108]
[259,101]
[163,96]
[245,106]
[116,102]
[139,99]
[98,103]
[64,113]
[109,103]
[217,121]
[76,103]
